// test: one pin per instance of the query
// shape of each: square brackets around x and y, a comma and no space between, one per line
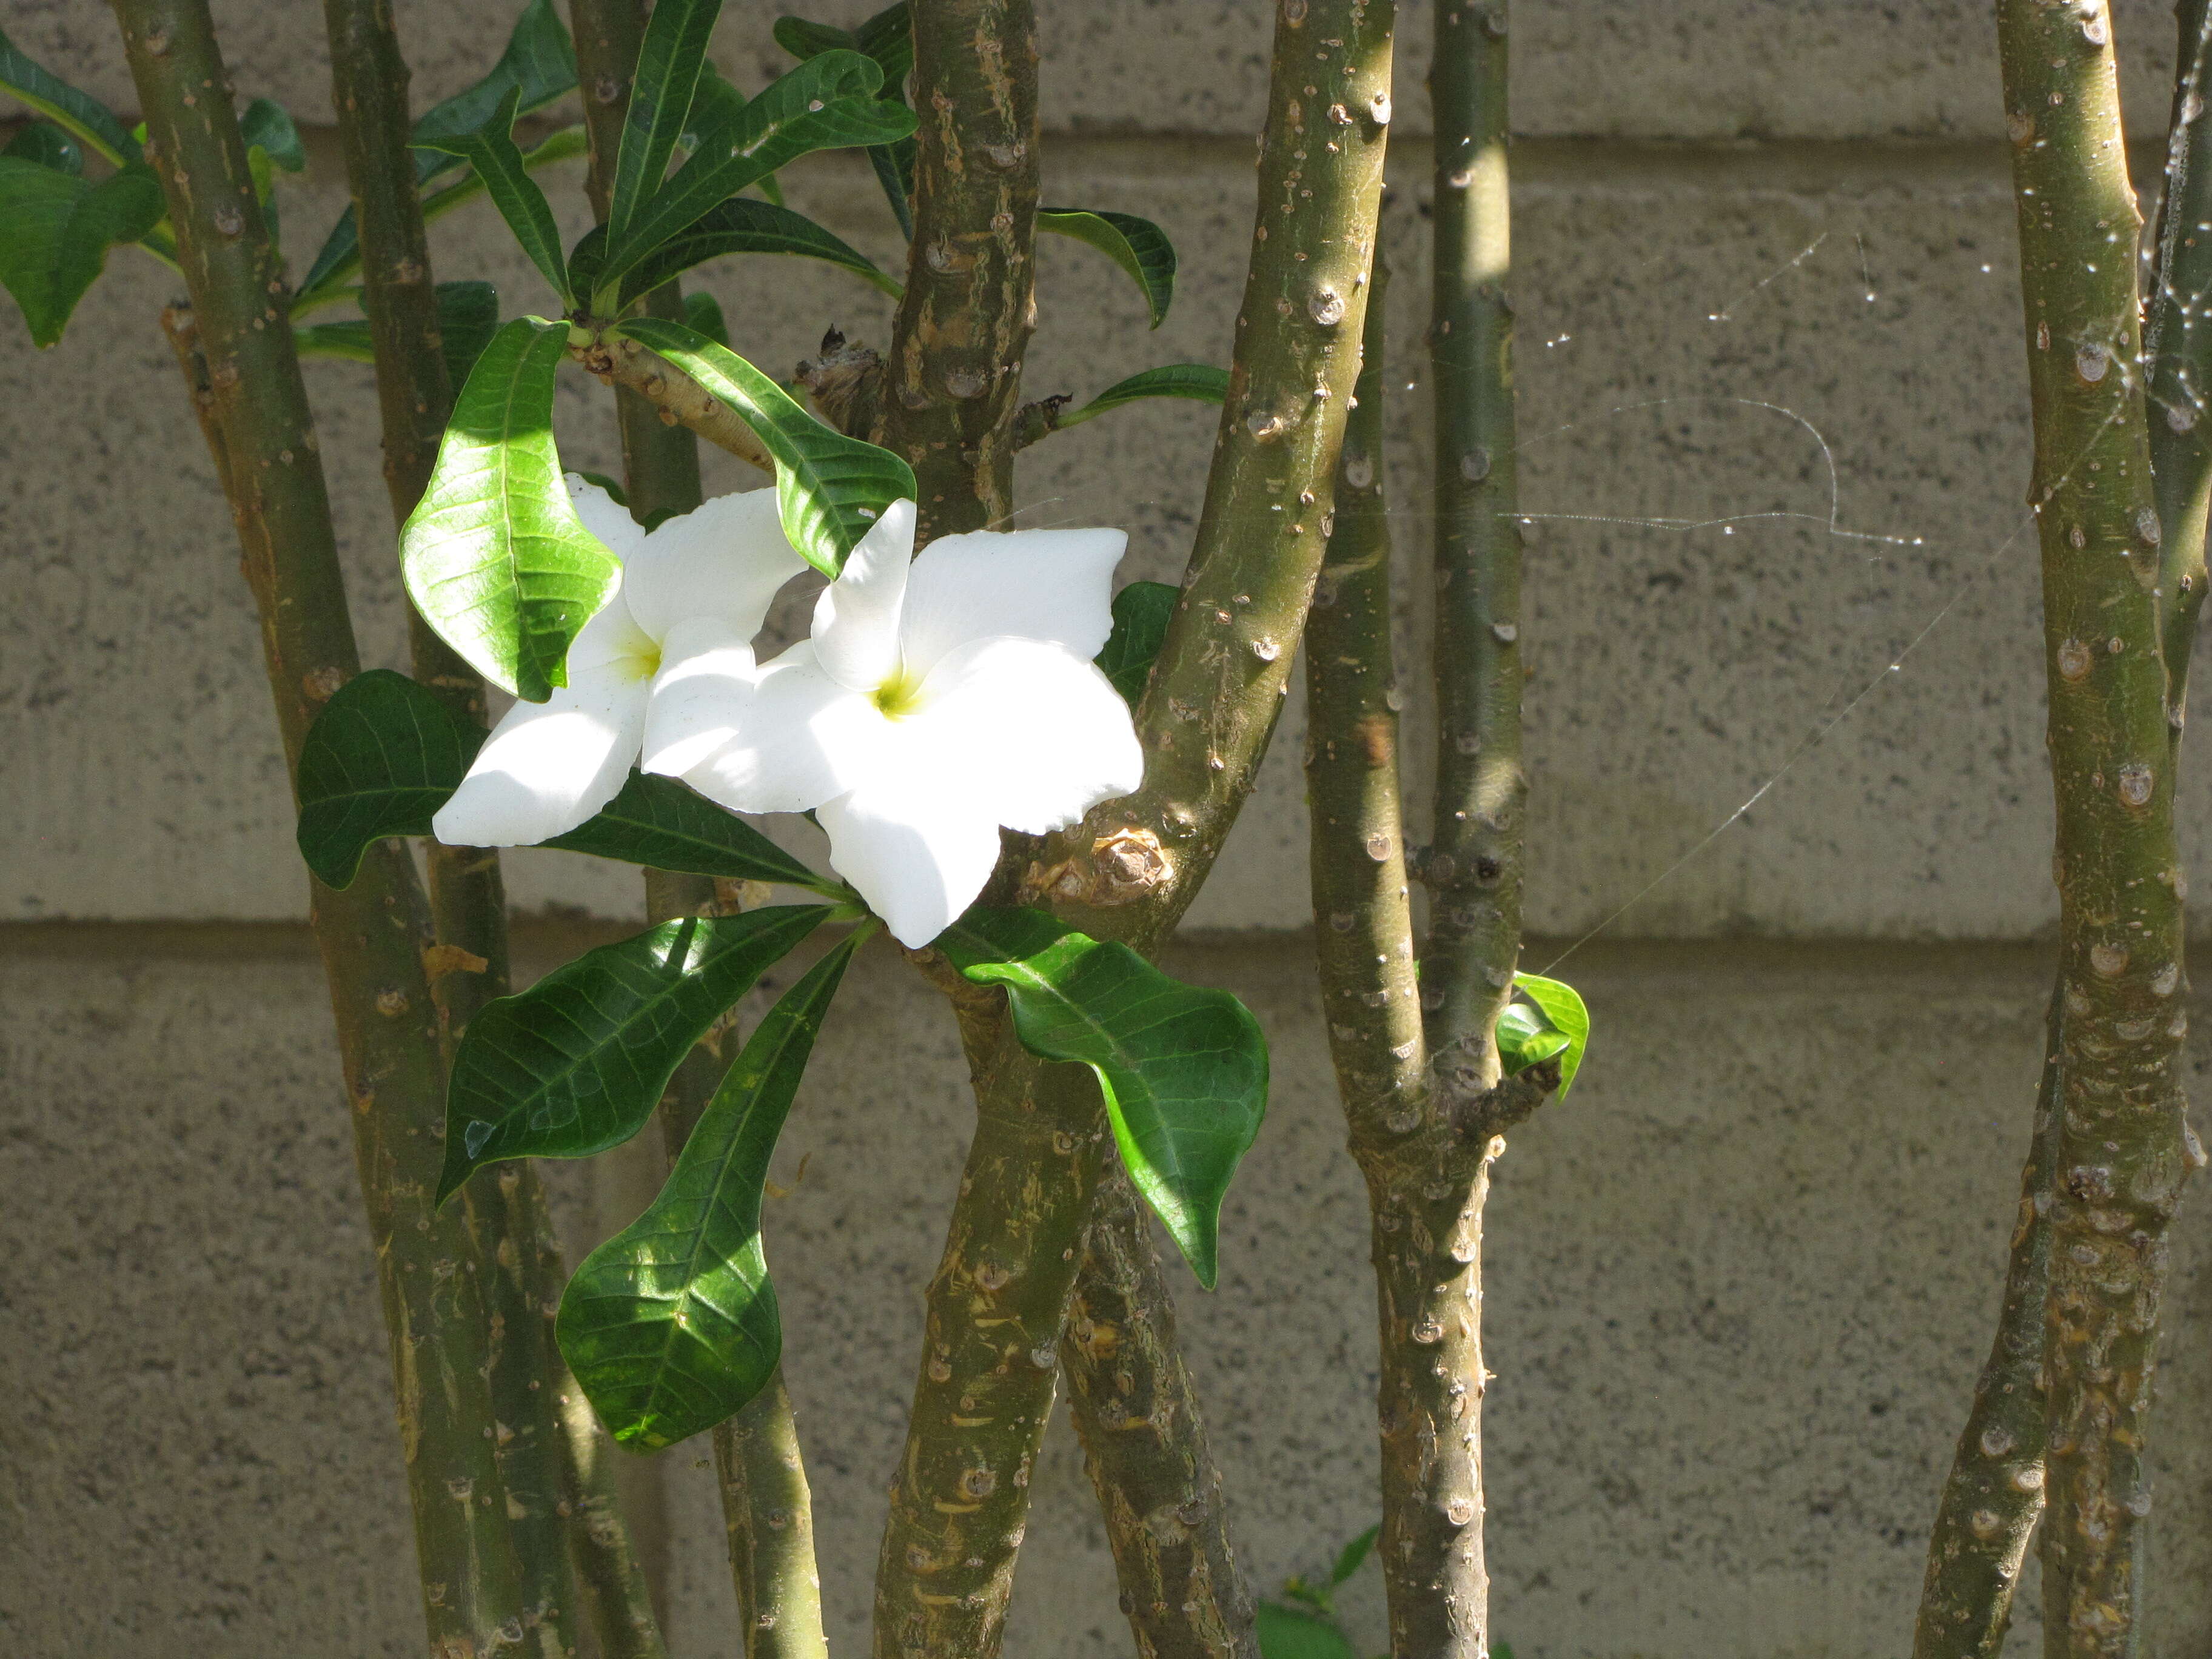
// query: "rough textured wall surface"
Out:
[1776,445]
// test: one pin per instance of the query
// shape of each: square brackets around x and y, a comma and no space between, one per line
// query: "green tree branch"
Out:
[244,382]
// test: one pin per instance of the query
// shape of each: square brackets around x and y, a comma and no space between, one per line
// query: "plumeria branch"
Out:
[757,1456]
[244,385]
[1003,1292]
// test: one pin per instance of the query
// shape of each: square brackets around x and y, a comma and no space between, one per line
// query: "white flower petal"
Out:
[548,766]
[611,640]
[700,696]
[1054,584]
[802,739]
[1027,733]
[724,560]
[856,620]
[917,865]
[604,517]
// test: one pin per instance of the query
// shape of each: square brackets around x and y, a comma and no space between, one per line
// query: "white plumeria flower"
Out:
[697,586]
[938,698]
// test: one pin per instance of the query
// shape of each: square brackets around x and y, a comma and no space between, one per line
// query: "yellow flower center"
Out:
[897,696]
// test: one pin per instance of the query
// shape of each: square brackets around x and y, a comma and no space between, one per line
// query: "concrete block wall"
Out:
[1786,732]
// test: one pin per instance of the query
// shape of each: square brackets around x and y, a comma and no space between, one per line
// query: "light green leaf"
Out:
[829,488]
[1184,1070]
[382,757]
[576,1064]
[491,151]
[495,557]
[1140,623]
[670,1326]
[540,63]
[826,103]
[84,118]
[1200,382]
[1138,245]
[703,312]
[44,144]
[741,224]
[668,64]
[468,316]
[660,824]
[1287,1633]
[58,230]
[266,127]
[1565,1015]
[1524,1037]
[1349,1558]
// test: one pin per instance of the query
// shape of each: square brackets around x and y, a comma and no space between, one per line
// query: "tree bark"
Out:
[244,381]
[997,1306]
[2122,1136]
[965,320]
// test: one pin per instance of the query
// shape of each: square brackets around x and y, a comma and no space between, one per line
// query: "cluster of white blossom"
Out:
[936,699]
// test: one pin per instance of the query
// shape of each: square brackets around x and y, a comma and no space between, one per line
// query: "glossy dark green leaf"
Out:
[829,488]
[468,316]
[1140,623]
[1138,245]
[1200,382]
[668,64]
[670,1326]
[539,65]
[703,312]
[267,127]
[887,37]
[495,557]
[1286,1632]
[1567,1018]
[382,757]
[826,103]
[804,40]
[59,229]
[576,1064]
[741,224]
[46,145]
[660,824]
[83,117]
[538,61]
[1183,1069]
[491,150]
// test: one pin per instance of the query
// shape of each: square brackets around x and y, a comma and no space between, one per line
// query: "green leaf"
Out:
[668,64]
[741,224]
[703,312]
[382,757]
[829,488]
[491,151]
[539,62]
[59,229]
[1566,1017]
[468,316]
[1287,1633]
[1184,1070]
[266,127]
[1200,382]
[44,144]
[660,824]
[828,102]
[1138,245]
[670,1326]
[612,486]
[576,1064]
[84,118]
[1348,1560]
[1524,1037]
[888,38]
[1140,623]
[803,39]
[495,557]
